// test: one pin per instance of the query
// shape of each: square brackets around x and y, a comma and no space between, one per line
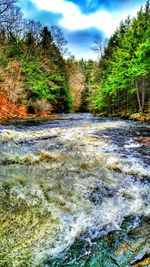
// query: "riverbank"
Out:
[20,113]
[10,111]
[28,117]
[143,117]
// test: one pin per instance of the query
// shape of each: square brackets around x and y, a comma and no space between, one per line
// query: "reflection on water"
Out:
[70,188]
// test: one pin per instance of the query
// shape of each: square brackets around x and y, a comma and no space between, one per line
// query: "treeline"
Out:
[84,81]
[119,82]
[33,71]
[124,68]
[35,75]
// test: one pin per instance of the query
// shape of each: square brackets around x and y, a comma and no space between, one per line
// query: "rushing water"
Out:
[74,192]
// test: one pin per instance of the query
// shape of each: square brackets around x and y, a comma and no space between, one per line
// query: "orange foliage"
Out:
[76,83]
[9,110]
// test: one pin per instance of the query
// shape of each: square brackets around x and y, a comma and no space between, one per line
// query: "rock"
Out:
[144,140]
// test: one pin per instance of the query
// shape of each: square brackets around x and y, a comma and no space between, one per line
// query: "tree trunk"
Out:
[127,103]
[138,97]
[143,95]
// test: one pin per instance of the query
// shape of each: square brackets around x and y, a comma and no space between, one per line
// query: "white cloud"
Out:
[73,19]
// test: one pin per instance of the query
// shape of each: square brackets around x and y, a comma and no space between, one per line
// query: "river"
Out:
[75,191]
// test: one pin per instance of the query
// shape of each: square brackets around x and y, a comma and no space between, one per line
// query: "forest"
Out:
[39,77]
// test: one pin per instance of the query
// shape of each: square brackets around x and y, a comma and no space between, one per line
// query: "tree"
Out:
[99,45]
[34,28]
[46,39]
[10,17]
[59,39]
[6,5]
[125,67]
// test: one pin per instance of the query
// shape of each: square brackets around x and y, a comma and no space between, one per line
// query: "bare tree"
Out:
[99,45]
[10,17]
[5,5]
[34,28]
[59,39]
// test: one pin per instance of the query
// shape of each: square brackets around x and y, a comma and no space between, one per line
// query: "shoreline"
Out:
[29,117]
[145,117]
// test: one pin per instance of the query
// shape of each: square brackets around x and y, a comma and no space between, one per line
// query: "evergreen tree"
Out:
[125,66]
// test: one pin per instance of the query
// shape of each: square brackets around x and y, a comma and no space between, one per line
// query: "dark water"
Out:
[76,191]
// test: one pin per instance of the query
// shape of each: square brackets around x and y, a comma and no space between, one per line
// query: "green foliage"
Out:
[125,66]
[42,69]
[92,80]
[47,40]
[41,83]
[36,84]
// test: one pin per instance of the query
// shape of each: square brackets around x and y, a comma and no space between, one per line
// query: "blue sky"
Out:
[81,20]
